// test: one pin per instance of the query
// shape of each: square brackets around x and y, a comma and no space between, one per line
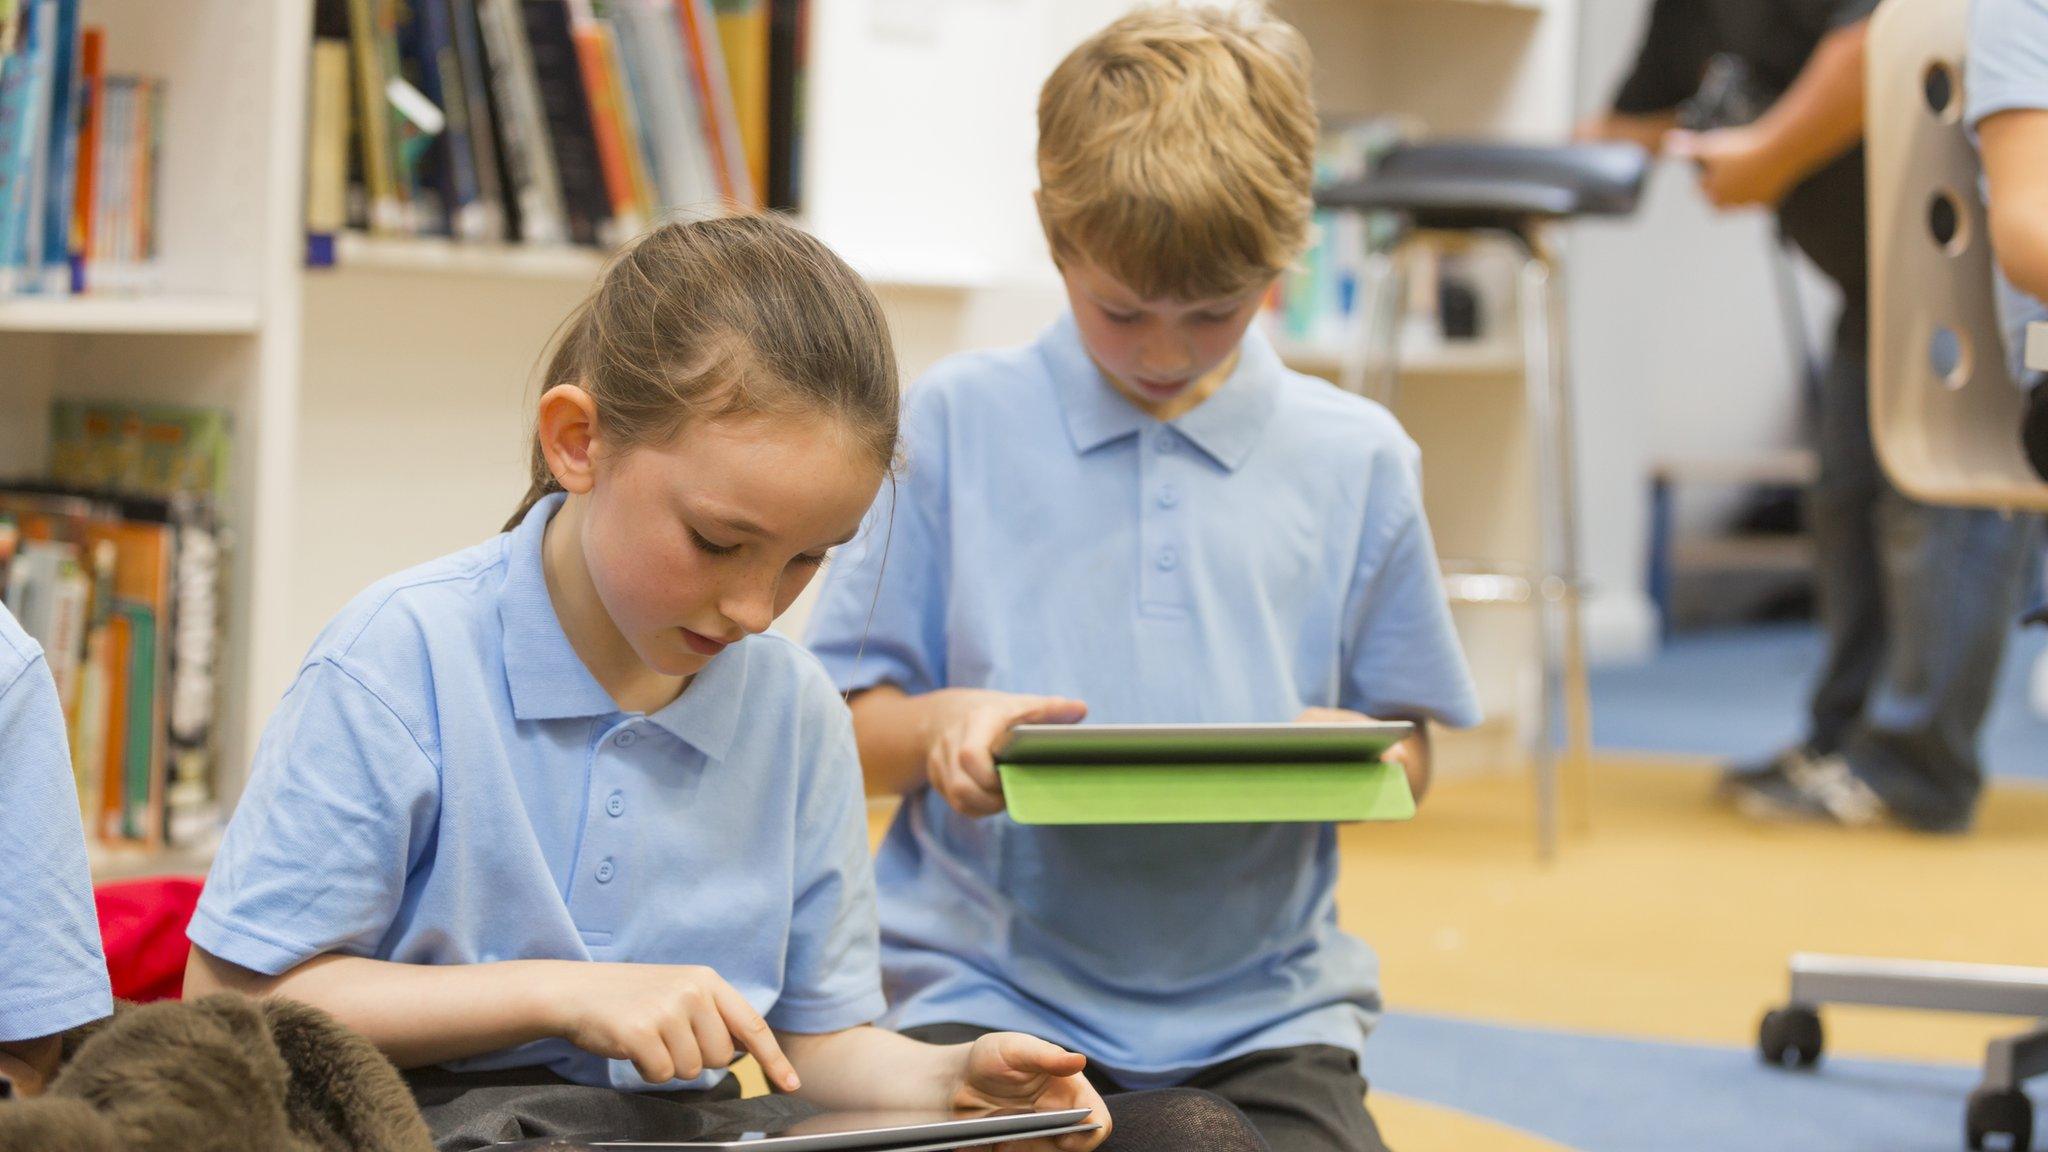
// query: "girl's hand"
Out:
[1012,1070]
[961,761]
[671,1021]
[1407,753]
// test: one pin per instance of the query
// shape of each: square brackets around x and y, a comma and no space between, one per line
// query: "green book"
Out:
[142,725]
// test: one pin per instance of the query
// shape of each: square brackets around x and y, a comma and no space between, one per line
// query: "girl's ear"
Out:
[567,429]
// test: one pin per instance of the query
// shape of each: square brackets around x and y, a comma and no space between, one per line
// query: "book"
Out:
[787,31]
[488,222]
[684,174]
[387,212]
[327,100]
[743,36]
[632,126]
[601,93]
[25,82]
[571,129]
[522,124]
[60,153]
[92,98]
[715,96]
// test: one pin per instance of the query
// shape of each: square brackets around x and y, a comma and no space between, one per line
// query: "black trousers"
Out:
[1306,1099]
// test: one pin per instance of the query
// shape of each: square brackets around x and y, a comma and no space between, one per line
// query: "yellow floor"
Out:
[1671,918]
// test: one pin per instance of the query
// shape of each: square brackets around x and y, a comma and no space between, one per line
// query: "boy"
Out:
[1144,517]
[52,975]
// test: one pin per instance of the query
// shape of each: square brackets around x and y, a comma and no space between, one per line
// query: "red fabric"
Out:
[142,927]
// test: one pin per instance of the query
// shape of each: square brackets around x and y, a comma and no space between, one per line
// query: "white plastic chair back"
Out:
[1944,410]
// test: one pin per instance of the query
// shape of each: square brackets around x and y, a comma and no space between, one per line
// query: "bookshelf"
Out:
[380,404]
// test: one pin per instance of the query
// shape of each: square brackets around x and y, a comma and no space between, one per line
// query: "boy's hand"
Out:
[961,761]
[1407,753]
[671,1021]
[1012,1070]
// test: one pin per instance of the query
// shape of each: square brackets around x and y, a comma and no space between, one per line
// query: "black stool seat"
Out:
[1460,185]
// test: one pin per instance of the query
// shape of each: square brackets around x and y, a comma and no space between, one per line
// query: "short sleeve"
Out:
[1673,58]
[1401,652]
[54,975]
[881,615]
[2006,66]
[832,976]
[341,802]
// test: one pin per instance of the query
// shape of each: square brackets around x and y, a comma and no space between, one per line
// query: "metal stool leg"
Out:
[1371,364]
[1537,366]
[1578,694]
[1561,640]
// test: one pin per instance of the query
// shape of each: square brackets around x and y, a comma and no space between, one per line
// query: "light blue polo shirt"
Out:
[53,975]
[2006,70]
[446,783]
[1261,554]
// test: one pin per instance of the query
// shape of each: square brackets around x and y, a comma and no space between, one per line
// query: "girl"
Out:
[555,811]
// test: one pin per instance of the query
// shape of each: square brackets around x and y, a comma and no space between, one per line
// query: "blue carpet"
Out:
[1740,694]
[1600,1094]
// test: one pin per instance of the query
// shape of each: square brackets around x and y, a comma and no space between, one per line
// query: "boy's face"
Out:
[1164,355]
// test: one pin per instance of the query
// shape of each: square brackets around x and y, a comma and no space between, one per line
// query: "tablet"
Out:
[854,1132]
[1200,743]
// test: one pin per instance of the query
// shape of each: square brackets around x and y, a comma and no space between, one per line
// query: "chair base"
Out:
[1999,1113]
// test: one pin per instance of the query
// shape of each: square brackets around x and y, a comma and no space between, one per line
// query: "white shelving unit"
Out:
[380,405]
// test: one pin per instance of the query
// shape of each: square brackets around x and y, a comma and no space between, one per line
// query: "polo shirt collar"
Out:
[1226,426]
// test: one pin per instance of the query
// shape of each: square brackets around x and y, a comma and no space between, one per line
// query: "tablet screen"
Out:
[1199,743]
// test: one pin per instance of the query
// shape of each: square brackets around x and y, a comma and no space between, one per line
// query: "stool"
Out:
[1516,191]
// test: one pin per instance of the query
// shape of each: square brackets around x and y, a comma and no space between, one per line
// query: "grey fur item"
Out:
[223,1073]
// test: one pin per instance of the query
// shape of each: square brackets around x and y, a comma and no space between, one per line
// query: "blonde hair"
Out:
[730,316]
[1176,150]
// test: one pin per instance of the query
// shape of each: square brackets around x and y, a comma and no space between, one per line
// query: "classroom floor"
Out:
[1608,1003]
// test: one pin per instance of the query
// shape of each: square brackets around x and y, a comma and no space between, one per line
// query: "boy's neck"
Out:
[632,685]
[1189,399]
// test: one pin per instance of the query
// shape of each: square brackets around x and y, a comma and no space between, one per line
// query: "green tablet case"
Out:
[1217,793]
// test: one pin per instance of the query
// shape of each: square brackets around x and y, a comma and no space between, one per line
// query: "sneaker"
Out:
[1742,777]
[1821,789]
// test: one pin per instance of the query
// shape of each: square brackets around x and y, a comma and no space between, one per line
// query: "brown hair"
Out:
[720,317]
[1176,150]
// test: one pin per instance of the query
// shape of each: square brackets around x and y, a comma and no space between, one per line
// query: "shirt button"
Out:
[605,871]
[1169,559]
[1168,497]
[626,739]
[616,805]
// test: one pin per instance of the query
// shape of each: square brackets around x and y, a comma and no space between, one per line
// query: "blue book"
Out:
[24,126]
[67,99]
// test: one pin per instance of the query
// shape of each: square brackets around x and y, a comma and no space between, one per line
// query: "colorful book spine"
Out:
[743,35]
[608,124]
[25,80]
[373,124]
[61,152]
[715,95]
[92,96]
[490,218]
[522,124]
[551,45]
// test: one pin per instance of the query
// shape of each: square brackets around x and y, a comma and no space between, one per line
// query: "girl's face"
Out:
[694,544]
[1165,356]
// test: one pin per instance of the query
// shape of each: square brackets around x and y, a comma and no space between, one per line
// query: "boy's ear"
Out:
[567,430]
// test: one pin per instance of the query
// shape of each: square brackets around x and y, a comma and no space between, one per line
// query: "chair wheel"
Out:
[1999,1112]
[1790,1037]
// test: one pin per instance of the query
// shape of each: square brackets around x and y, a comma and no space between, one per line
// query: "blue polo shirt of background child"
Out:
[53,975]
[1264,553]
[446,783]
[2006,70]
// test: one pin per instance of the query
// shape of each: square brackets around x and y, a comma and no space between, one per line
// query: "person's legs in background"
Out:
[1916,602]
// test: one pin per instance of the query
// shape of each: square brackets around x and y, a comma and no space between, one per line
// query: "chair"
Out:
[1945,414]
[1519,192]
